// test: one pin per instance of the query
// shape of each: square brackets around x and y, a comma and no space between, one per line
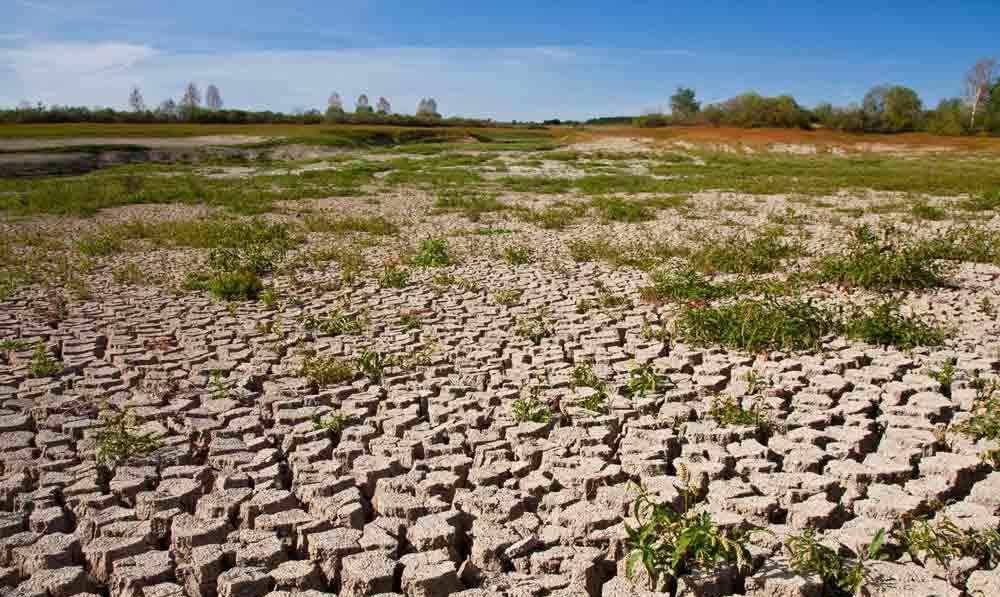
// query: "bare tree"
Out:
[24,106]
[382,106]
[192,97]
[213,99]
[335,103]
[978,81]
[362,104]
[135,100]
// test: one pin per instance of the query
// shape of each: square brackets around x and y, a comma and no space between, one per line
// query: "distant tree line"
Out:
[884,109]
[192,109]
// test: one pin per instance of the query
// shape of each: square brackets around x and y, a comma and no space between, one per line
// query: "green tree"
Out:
[948,118]
[903,110]
[683,105]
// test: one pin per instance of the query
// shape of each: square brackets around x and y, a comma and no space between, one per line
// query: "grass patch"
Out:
[327,371]
[375,225]
[472,205]
[763,253]
[875,262]
[432,252]
[614,209]
[536,184]
[757,325]
[883,324]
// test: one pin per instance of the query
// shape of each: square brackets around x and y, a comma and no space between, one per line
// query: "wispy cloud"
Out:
[73,59]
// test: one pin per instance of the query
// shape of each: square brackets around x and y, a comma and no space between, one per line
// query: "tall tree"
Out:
[361,106]
[213,99]
[192,97]
[978,81]
[135,100]
[903,109]
[335,103]
[168,108]
[427,108]
[683,104]
[382,106]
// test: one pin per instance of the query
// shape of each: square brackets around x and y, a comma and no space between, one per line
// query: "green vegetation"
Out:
[508,297]
[536,184]
[757,325]
[883,324]
[840,575]
[614,209]
[669,543]
[334,323]
[43,364]
[727,411]
[534,327]
[119,440]
[375,225]
[518,254]
[760,254]
[530,408]
[373,364]
[882,263]
[681,285]
[334,423]
[393,276]
[583,376]
[472,205]
[643,380]
[984,423]
[327,370]
[432,252]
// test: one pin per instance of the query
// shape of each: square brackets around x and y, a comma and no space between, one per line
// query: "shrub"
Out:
[433,252]
[756,325]
[923,210]
[942,541]
[255,247]
[118,441]
[373,364]
[518,255]
[883,324]
[327,370]
[393,276]
[685,284]
[881,263]
[43,364]
[229,286]
[530,408]
[614,209]
[472,206]
[760,254]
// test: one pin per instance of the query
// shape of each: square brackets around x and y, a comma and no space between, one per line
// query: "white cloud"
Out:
[74,58]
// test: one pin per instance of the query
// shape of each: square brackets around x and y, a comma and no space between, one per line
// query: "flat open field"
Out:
[475,362]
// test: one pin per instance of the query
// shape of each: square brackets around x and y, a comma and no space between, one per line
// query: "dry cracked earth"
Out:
[430,486]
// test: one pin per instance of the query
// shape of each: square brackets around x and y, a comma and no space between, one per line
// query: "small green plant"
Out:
[334,323]
[43,364]
[375,225]
[685,284]
[518,254]
[643,380]
[11,345]
[727,411]
[373,364]
[128,274]
[740,254]
[883,324]
[119,440]
[583,376]
[756,383]
[327,370]
[669,543]
[393,276]
[757,325]
[534,327]
[251,247]
[228,286]
[508,297]
[922,210]
[985,420]
[986,307]
[807,556]
[334,423]
[530,408]
[219,389]
[99,245]
[942,540]
[875,262]
[410,320]
[433,252]
[270,297]
[615,209]
[945,375]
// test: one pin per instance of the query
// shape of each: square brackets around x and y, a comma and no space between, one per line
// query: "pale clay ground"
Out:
[434,489]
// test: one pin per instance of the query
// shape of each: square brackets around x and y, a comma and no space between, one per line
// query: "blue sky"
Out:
[510,59]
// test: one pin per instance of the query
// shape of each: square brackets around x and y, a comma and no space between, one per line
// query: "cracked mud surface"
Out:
[432,487]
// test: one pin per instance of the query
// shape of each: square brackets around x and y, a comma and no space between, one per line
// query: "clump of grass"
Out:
[119,440]
[128,274]
[583,376]
[639,256]
[373,364]
[536,184]
[327,370]
[984,424]
[756,325]
[242,252]
[982,202]
[508,297]
[554,217]
[518,254]
[534,327]
[530,408]
[943,541]
[643,380]
[881,263]
[922,210]
[727,411]
[944,375]
[883,324]
[99,245]
[683,284]
[334,323]
[409,320]
[393,276]
[228,286]
[471,205]
[375,225]
[334,423]
[760,254]
[42,363]
[615,209]
[964,243]
[432,252]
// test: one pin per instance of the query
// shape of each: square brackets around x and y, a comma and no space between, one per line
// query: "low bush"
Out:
[881,263]
[885,325]
[432,252]
[756,325]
